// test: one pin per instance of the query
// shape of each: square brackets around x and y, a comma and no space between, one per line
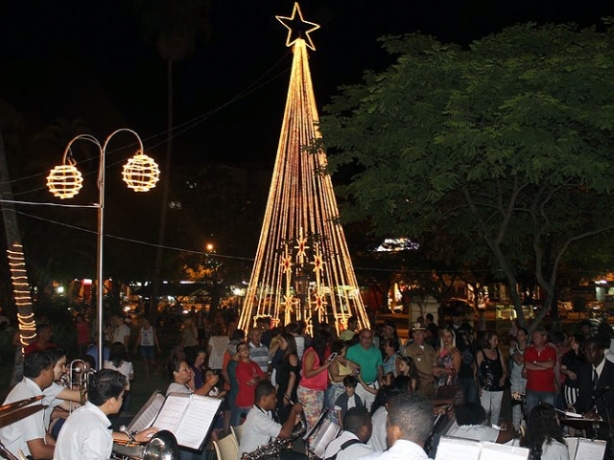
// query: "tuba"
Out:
[163,446]
[273,449]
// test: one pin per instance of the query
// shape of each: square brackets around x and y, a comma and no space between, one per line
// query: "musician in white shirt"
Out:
[259,427]
[87,433]
[410,422]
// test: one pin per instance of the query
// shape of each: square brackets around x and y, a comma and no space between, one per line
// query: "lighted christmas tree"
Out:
[302,269]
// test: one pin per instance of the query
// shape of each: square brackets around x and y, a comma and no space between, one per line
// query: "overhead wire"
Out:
[178,130]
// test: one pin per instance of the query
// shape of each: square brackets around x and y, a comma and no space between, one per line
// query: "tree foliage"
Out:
[506,146]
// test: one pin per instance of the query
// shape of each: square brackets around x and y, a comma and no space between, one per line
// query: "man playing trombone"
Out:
[87,433]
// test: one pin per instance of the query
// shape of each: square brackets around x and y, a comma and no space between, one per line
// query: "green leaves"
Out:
[511,140]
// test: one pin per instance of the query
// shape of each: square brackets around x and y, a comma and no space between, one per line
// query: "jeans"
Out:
[470,389]
[518,386]
[535,397]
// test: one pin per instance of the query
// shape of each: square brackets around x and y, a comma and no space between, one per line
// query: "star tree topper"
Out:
[298,27]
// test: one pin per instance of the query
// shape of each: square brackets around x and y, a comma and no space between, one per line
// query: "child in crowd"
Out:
[348,399]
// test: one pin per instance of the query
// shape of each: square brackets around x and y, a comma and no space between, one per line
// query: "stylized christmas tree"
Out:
[302,269]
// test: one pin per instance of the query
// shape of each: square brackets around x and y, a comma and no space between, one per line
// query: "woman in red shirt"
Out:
[314,378]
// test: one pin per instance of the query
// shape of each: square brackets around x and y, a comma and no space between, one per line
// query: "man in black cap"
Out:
[425,358]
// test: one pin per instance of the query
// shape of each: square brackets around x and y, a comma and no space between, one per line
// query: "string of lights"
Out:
[302,268]
[21,293]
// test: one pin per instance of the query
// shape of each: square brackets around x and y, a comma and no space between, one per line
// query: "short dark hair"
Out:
[237,334]
[337,346]
[355,418]
[264,389]
[412,414]
[430,317]
[117,353]
[104,385]
[470,414]
[36,362]
[350,381]
[173,365]
[89,359]
[56,354]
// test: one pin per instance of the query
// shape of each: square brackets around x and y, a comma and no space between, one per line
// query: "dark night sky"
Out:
[86,59]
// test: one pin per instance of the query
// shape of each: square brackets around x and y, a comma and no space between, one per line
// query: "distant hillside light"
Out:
[141,173]
[64,181]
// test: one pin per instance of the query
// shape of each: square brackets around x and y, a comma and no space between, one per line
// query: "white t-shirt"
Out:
[147,337]
[218,344]
[178,388]
[121,332]
[125,368]
[86,434]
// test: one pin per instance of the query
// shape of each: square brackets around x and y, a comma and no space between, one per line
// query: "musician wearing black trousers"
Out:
[596,393]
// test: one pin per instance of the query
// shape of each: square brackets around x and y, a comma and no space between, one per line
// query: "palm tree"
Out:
[172,26]
[15,251]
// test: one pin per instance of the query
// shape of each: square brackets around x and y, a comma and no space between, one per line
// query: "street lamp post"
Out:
[141,174]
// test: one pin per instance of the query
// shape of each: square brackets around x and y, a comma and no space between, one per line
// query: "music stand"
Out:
[313,429]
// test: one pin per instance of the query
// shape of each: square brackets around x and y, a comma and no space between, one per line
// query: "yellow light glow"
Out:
[64,181]
[141,173]
[301,245]
[21,293]
[290,23]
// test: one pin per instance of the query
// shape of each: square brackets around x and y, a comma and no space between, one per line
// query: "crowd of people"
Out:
[383,392]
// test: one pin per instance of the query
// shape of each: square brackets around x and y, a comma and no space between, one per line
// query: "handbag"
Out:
[450,389]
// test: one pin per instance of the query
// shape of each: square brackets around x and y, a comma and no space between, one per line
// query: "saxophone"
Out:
[274,448]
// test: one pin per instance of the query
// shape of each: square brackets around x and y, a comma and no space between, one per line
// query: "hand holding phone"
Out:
[332,356]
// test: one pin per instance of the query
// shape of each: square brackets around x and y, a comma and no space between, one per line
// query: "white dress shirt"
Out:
[401,450]
[379,441]
[16,435]
[258,429]
[86,434]
[349,453]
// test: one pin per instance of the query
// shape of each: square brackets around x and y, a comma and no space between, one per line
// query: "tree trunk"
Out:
[16,257]
[157,279]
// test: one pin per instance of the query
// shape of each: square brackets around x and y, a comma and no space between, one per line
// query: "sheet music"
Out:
[327,432]
[196,421]
[457,449]
[172,412]
[145,417]
[492,451]
[590,449]
[569,414]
